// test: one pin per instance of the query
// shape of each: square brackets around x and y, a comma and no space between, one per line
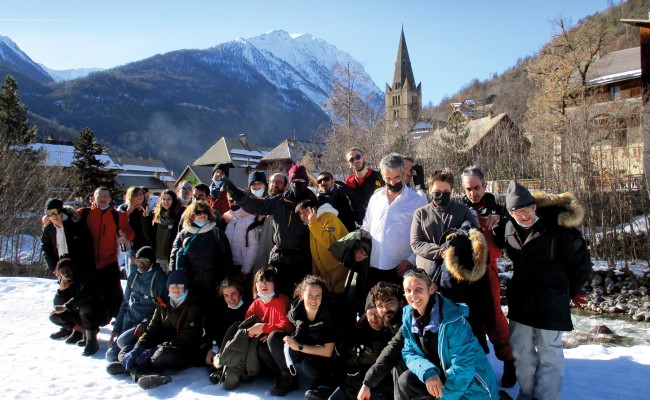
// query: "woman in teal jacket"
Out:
[443,357]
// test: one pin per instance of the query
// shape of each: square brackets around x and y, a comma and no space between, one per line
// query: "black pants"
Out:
[90,316]
[292,266]
[106,282]
[411,387]
[313,366]
[350,387]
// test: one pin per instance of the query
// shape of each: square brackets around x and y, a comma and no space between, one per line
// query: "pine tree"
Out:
[14,125]
[89,172]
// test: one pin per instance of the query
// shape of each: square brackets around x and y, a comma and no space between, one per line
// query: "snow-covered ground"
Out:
[35,367]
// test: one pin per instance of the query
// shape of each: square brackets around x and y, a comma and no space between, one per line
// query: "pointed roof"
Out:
[403,71]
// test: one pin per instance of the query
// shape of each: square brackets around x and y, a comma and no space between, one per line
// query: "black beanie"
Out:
[225,168]
[257,176]
[148,253]
[177,277]
[518,197]
[369,303]
[53,203]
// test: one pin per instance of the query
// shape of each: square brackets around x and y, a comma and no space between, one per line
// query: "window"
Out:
[614,93]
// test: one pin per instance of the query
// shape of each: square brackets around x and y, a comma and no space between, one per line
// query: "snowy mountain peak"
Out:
[12,56]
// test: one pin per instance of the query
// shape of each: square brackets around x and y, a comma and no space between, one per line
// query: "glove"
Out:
[579,300]
[130,358]
[145,356]
[232,189]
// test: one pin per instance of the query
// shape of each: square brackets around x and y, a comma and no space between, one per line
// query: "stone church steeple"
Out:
[403,97]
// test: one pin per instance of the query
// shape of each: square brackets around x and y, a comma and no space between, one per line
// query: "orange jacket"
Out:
[104,232]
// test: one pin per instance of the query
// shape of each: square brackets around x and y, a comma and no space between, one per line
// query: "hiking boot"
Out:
[215,376]
[61,333]
[115,368]
[320,393]
[147,382]
[91,346]
[82,342]
[74,337]
[287,384]
[509,377]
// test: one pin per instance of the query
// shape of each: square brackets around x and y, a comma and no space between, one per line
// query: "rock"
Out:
[634,293]
[643,290]
[597,281]
[621,308]
[622,298]
[599,291]
[646,305]
[632,285]
[610,288]
[602,329]
[640,316]
[609,281]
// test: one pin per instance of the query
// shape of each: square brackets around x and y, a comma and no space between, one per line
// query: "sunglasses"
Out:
[186,187]
[142,260]
[52,212]
[200,212]
[415,271]
[355,158]
[323,179]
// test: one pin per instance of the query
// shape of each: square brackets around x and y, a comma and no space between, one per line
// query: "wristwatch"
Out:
[300,347]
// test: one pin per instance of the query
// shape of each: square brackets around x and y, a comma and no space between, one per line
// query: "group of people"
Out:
[374,290]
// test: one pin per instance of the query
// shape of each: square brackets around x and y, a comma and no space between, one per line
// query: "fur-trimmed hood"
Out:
[467,253]
[72,214]
[563,208]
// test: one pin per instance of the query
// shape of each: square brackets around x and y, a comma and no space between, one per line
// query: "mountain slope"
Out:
[12,58]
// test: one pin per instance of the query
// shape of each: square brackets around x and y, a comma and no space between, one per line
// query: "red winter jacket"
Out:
[104,232]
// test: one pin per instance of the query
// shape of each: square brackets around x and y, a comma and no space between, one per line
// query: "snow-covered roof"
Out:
[61,155]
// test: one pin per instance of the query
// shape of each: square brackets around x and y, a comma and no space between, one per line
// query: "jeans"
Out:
[127,338]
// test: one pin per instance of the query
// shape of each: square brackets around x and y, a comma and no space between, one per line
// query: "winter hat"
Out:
[257,176]
[369,303]
[177,277]
[148,253]
[225,168]
[53,204]
[466,255]
[298,171]
[518,197]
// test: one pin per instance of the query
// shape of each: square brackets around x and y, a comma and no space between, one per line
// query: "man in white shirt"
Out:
[388,223]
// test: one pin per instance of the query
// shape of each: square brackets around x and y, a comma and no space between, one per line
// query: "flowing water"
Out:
[626,332]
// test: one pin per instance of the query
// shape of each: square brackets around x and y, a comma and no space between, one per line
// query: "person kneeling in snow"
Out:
[171,340]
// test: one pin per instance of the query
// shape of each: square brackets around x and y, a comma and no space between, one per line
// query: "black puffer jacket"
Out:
[550,266]
[208,256]
[179,327]
[320,331]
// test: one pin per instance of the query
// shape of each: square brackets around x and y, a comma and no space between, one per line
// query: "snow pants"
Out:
[539,360]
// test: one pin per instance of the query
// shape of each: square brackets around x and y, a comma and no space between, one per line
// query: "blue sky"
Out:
[450,42]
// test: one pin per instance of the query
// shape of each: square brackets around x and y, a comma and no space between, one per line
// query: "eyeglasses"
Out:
[200,212]
[323,179]
[143,260]
[177,286]
[355,158]
[522,212]
[52,212]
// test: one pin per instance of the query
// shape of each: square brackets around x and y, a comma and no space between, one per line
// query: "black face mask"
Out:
[234,207]
[441,199]
[299,188]
[395,188]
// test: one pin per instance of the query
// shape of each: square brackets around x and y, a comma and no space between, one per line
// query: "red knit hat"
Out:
[298,171]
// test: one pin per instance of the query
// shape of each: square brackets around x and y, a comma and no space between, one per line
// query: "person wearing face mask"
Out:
[290,254]
[202,249]
[551,264]
[387,223]
[218,199]
[433,228]
[241,229]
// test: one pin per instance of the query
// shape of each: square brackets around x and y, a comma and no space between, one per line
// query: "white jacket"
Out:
[236,231]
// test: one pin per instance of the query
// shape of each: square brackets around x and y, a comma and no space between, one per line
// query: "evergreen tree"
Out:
[89,172]
[14,125]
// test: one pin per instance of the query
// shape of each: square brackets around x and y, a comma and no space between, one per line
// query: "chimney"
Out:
[243,141]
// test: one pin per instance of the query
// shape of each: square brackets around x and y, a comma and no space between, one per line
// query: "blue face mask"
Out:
[241,303]
[534,222]
[104,208]
[267,297]
[217,183]
[258,193]
[200,224]
[179,298]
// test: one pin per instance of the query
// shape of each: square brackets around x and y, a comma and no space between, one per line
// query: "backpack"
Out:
[154,280]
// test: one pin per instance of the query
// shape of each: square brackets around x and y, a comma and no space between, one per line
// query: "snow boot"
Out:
[74,337]
[82,342]
[61,333]
[153,381]
[91,343]
[509,377]
[320,393]
[115,368]
[215,376]
[287,383]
